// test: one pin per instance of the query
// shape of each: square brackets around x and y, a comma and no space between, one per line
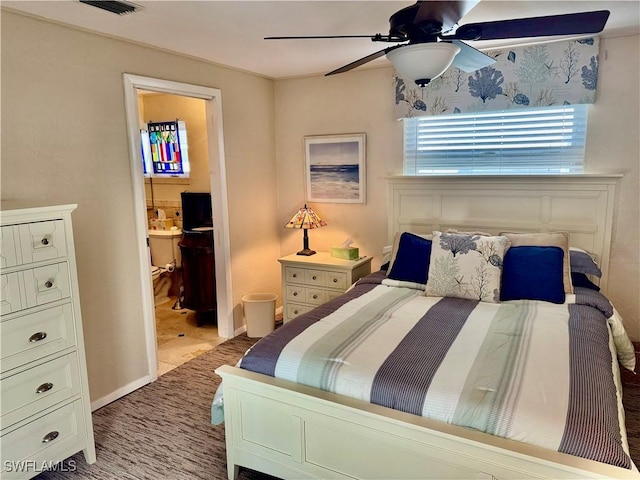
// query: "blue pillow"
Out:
[411,263]
[533,273]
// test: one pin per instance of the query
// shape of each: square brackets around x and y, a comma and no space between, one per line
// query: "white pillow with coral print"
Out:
[466,266]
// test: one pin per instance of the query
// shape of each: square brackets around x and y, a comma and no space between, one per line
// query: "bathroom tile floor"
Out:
[179,338]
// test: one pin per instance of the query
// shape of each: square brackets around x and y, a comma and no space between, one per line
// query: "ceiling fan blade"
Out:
[446,12]
[469,59]
[567,24]
[362,61]
[311,37]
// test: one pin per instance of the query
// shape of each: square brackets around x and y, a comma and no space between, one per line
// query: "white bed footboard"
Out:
[292,431]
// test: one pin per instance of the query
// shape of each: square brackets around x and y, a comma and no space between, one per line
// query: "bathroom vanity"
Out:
[45,406]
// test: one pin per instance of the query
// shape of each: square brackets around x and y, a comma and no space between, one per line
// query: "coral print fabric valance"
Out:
[555,73]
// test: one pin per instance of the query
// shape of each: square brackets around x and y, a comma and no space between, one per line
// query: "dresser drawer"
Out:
[296,293]
[315,296]
[8,250]
[337,280]
[33,390]
[46,284]
[294,275]
[33,336]
[316,278]
[42,241]
[47,437]
[36,335]
[12,297]
[295,309]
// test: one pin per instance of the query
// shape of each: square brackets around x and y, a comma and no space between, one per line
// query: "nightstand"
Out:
[311,281]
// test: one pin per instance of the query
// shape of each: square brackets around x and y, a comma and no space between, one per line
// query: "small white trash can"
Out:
[260,313]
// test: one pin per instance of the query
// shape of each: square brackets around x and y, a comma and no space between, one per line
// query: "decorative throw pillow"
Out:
[411,259]
[466,266]
[533,273]
[551,239]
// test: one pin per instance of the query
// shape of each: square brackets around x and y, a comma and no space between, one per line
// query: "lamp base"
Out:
[306,252]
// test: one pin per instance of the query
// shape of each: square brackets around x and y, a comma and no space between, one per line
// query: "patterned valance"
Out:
[557,73]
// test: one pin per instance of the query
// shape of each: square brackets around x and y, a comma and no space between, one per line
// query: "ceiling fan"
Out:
[429,42]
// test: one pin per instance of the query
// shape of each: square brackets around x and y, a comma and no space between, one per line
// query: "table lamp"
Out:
[305,218]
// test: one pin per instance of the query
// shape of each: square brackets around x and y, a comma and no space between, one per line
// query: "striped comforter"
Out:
[530,371]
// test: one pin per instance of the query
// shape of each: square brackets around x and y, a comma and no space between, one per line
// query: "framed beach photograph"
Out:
[335,168]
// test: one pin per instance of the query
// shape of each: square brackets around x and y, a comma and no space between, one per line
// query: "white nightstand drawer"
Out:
[296,293]
[11,295]
[333,294]
[294,275]
[8,250]
[316,296]
[295,309]
[46,284]
[40,387]
[42,241]
[36,335]
[337,280]
[316,278]
[44,438]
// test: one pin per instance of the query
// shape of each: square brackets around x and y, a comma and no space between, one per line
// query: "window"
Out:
[165,152]
[524,141]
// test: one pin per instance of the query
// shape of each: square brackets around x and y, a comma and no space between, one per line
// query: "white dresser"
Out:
[311,281]
[44,395]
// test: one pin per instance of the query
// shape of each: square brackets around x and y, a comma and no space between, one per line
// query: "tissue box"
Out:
[346,253]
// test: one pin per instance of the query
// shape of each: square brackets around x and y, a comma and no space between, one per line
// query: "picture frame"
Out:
[335,168]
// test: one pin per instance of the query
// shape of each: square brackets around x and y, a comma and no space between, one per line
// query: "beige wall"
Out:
[362,101]
[64,140]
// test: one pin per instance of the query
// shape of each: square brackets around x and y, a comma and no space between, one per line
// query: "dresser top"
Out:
[31,211]
[323,259]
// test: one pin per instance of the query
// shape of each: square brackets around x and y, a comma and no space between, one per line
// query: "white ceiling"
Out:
[231,32]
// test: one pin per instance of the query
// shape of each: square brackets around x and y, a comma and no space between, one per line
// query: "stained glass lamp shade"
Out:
[305,218]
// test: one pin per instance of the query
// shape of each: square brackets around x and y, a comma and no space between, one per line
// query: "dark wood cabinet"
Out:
[198,272]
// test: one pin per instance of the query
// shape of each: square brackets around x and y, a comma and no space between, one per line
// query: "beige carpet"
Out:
[163,430]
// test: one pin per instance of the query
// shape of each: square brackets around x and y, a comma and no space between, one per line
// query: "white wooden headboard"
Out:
[579,204]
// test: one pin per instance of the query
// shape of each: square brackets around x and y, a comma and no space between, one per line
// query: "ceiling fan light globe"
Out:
[423,62]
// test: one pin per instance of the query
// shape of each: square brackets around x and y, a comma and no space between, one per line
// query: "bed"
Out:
[436,379]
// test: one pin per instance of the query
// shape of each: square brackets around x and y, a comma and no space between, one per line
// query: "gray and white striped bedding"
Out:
[530,371]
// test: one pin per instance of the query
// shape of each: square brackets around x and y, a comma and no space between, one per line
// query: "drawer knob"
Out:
[50,437]
[314,277]
[315,297]
[295,312]
[295,294]
[36,337]
[295,275]
[45,387]
[45,241]
[49,284]
[335,280]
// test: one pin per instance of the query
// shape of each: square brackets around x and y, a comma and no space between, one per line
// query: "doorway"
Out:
[211,97]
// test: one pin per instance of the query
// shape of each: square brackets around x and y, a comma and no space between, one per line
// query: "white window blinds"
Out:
[523,141]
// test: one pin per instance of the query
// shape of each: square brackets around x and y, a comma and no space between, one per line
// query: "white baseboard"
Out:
[121,392]
[240,330]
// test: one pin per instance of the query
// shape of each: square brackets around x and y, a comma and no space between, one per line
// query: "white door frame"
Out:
[218,177]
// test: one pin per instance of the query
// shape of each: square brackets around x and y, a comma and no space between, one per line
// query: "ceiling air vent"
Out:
[121,8]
